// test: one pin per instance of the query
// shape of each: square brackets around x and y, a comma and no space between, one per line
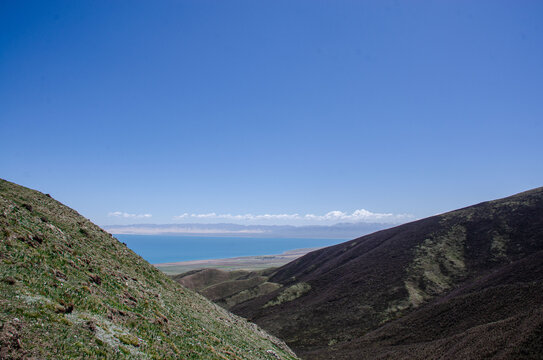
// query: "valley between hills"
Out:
[467,284]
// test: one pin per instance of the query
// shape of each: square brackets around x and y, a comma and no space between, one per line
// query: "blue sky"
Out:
[165,108]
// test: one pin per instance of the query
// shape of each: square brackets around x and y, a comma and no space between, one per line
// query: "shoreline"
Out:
[257,262]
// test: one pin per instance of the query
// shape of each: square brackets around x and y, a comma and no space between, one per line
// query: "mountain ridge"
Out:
[68,289]
[357,288]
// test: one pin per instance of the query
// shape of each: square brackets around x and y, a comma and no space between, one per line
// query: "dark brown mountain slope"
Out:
[465,284]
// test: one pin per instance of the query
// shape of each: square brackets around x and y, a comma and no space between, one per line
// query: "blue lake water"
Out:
[162,248]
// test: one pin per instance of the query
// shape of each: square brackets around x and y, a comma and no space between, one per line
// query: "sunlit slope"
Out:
[70,290]
[229,288]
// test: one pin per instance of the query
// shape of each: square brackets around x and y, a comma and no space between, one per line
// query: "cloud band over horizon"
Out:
[129,216]
[360,215]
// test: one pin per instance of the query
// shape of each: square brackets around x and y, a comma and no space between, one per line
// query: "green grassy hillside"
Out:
[70,290]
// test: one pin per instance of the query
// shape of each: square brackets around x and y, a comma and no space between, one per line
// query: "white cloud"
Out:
[129,216]
[360,215]
[237,217]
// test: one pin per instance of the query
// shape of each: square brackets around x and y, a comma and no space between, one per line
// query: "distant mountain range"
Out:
[337,231]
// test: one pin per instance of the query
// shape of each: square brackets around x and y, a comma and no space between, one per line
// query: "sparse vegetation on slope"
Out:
[291,293]
[229,288]
[70,290]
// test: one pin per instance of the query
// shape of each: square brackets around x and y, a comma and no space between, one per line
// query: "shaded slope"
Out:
[499,315]
[70,290]
[364,285]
